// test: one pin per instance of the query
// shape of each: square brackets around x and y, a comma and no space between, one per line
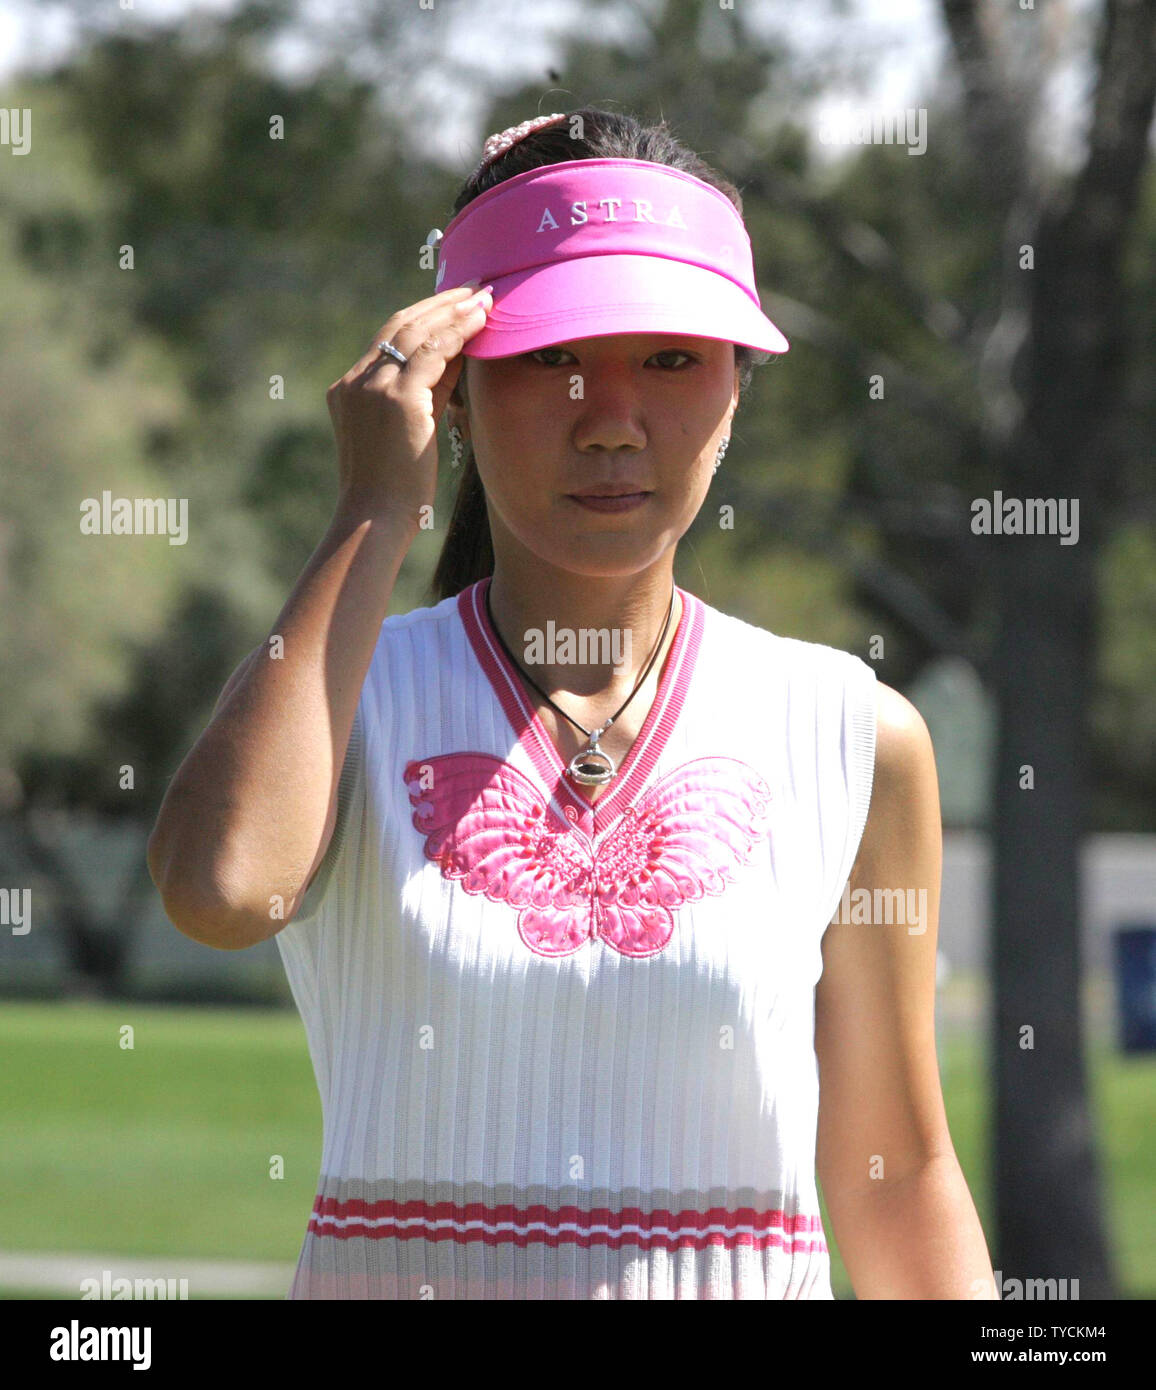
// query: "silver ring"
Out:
[390,351]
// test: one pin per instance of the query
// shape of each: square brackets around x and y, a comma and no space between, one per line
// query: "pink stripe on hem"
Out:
[543,1225]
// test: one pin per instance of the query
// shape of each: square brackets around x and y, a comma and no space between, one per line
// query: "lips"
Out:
[611,490]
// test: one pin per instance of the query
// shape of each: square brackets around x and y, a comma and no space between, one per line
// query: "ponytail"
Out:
[468,552]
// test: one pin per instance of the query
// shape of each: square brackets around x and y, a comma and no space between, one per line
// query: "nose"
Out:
[609,418]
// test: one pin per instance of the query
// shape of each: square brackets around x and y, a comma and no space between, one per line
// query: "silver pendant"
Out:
[592,767]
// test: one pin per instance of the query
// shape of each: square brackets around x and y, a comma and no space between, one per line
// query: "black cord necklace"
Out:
[591,766]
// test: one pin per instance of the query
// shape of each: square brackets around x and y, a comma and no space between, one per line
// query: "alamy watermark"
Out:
[106,1287]
[76,1343]
[585,646]
[16,129]
[16,910]
[856,125]
[1026,1289]
[885,907]
[135,516]
[1037,516]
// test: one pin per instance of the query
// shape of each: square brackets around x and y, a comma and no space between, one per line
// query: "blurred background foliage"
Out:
[255,257]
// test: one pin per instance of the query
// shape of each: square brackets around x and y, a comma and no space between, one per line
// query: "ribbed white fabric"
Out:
[534,1090]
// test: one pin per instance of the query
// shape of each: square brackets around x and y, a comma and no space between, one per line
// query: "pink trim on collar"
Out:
[640,761]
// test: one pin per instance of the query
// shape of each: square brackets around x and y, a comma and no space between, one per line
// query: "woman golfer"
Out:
[567,869]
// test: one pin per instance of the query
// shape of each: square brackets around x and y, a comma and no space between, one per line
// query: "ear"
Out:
[456,404]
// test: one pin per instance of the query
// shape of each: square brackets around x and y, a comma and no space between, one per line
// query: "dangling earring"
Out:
[722,448]
[456,446]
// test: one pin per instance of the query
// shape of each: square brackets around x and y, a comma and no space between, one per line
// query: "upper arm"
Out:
[322,851]
[152,852]
[331,816]
[880,1103]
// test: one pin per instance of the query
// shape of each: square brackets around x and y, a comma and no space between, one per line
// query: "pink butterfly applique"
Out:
[489,827]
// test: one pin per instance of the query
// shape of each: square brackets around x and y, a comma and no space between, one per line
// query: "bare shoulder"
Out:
[901,735]
[905,773]
[903,829]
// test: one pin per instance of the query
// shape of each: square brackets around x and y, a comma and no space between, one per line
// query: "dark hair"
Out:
[467,554]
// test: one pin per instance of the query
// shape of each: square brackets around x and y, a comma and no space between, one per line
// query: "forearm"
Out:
[918,1237]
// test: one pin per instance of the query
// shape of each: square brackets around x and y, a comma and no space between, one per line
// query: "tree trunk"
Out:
[1047,1182]
[1047,1190]
[1048,1195]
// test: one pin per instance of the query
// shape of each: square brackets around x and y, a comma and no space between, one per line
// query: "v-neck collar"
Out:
[646,749]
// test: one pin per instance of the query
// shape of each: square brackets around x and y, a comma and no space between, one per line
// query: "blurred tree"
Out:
[1056,370]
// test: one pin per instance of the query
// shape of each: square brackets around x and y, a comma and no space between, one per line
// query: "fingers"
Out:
[433,341]
[410,326]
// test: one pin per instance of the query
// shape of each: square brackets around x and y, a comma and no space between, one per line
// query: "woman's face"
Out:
[645,409]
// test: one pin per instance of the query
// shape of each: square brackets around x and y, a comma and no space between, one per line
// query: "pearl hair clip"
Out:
[498,144]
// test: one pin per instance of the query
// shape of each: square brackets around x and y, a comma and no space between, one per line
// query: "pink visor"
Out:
[589,247]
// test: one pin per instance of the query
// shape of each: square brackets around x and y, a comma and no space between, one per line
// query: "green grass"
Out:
[165,1149]
[162,1149]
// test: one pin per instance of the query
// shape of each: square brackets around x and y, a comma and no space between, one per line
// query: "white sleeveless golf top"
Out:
[566,1051]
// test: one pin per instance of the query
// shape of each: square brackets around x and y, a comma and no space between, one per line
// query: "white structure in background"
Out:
[1118,871]
[961,717]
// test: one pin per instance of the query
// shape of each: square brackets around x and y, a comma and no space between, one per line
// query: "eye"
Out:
[676,352]
[537,356]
